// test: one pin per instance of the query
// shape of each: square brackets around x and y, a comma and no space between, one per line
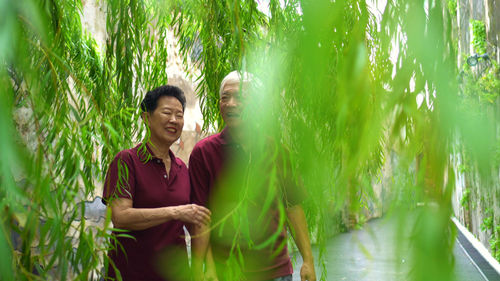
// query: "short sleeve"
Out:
[120,179]
[292,185]
[199,178]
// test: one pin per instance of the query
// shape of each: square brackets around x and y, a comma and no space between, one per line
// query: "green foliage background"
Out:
[327,89]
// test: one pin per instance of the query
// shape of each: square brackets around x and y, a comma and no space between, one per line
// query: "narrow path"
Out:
[369,255]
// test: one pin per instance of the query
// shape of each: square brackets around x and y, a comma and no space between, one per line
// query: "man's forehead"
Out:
[234,87]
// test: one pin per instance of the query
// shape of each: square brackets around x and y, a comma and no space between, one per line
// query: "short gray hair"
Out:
[235,77]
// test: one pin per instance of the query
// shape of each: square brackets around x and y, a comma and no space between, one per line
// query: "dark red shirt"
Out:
[158,251]
[211,166]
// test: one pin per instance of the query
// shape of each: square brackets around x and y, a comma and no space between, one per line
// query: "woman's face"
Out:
[166,121]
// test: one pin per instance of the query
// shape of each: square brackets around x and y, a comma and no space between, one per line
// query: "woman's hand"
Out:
[193,213]
[125,216]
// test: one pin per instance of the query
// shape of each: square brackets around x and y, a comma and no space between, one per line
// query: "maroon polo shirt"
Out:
[211,164]
[159,251]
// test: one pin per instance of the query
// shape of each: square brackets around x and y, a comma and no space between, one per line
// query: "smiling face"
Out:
[166,121]
[231,104]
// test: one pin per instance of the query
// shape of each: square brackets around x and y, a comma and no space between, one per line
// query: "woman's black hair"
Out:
[150,101]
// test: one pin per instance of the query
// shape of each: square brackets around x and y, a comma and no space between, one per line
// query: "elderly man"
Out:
[248,238]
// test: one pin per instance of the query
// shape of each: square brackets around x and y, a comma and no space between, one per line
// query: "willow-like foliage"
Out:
[84,107]
[334,94]
[225,30]
[340,88]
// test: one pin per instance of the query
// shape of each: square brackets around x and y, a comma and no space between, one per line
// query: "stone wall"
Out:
[474,200]
[486,11]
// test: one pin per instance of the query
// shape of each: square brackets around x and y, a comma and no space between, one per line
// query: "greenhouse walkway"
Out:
[368,255]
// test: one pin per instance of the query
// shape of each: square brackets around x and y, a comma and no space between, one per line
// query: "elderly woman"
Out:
[148,191]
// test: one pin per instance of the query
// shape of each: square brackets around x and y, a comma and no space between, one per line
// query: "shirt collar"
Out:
[226,138]
[170,153]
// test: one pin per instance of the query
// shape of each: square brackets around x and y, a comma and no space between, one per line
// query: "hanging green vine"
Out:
[84,110]
[339,88]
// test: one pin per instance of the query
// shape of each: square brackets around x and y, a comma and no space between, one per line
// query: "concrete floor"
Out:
[368,255]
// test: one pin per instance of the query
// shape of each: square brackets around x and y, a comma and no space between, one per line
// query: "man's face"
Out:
[231,103]
[167,120]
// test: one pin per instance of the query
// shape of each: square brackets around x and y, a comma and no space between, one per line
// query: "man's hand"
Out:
[298,227]
[307,272]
